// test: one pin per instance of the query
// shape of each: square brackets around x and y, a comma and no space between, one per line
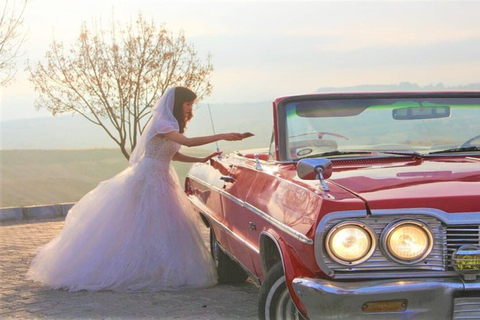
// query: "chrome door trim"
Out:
[196,202]
[292,232]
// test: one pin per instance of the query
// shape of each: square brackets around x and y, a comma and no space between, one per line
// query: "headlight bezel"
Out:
[394,226]
[355,224]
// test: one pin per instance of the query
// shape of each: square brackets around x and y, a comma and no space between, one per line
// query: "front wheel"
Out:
[274,300]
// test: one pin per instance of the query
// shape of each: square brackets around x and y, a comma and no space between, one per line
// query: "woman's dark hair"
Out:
[182,95]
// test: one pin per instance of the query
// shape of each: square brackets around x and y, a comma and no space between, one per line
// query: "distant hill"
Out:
[73,132]
[60,132]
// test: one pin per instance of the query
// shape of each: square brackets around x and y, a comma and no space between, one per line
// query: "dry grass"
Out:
[33,177]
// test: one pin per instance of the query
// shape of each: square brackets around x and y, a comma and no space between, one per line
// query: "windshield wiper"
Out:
[463,149]
[342,153]
[335,153]
[404,153]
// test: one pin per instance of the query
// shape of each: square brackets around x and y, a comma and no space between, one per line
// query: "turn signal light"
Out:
[385,306]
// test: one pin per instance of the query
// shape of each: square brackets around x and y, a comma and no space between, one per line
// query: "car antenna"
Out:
[213,128]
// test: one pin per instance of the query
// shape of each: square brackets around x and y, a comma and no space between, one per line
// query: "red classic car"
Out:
[365,205]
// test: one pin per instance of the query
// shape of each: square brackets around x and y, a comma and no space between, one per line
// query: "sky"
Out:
[266,49]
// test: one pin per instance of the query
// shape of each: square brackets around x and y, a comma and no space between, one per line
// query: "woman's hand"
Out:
[212,155]
[235,136]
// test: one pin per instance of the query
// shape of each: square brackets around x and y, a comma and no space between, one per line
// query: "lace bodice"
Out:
[161,149]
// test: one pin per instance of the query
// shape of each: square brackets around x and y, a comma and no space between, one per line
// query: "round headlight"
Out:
[408,241]
[350,243]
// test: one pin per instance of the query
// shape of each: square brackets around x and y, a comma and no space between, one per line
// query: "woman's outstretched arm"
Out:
[199,141]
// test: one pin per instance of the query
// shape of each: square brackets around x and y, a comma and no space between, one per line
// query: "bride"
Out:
[137,230]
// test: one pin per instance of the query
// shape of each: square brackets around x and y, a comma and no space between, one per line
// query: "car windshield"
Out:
[404,126]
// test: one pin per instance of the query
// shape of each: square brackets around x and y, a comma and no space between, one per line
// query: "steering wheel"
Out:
[321,134]
[468,143]
[303,148]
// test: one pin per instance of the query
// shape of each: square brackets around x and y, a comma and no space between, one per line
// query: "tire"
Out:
[275,302]
[228,271]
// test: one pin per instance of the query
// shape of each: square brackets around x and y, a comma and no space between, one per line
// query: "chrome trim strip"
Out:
[460,218]
[221,191]
[195,201]
[294,233]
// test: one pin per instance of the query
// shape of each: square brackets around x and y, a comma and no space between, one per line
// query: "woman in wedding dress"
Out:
[137,230]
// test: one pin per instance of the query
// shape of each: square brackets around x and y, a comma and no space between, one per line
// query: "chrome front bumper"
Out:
[389,299]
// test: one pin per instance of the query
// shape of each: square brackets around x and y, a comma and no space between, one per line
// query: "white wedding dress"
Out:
[134,232]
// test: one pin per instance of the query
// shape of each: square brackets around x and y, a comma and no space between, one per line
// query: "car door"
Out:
[238,216]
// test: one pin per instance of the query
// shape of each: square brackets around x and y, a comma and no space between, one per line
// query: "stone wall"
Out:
[35,212]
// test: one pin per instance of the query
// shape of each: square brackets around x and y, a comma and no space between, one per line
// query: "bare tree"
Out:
[113,77]
[11,39]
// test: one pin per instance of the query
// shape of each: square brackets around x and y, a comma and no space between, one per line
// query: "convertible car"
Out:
[364,205]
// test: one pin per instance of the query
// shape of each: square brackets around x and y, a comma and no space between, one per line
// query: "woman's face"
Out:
[187,110]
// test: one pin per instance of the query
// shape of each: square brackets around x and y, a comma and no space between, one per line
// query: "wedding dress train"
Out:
[136,231]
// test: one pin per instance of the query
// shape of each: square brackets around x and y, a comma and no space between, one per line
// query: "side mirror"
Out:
[311,169]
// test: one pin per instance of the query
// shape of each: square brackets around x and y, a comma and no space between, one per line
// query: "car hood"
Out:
[452,185]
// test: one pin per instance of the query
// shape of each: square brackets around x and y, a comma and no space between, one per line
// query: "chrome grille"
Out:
[466,308]
[460,235]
